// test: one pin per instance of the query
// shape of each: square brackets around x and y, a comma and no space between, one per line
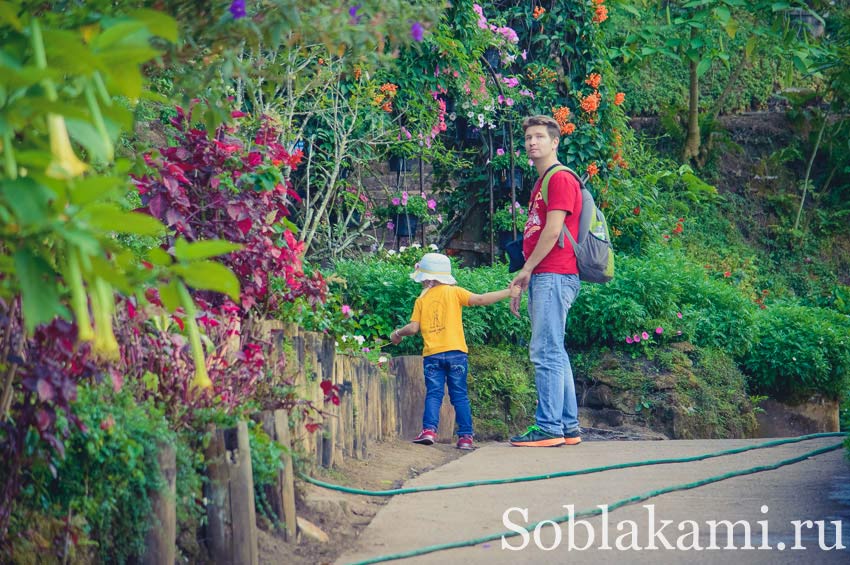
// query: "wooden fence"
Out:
[375,404]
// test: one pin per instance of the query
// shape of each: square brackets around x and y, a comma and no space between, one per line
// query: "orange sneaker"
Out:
[535,437]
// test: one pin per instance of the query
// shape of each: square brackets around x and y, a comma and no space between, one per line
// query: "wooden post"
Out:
[282,499]
[231,516]
[161,539]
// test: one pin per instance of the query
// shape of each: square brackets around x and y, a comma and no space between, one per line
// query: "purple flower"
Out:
[390,225]
[396,201]
[237,9]
[354,19]
[417,31]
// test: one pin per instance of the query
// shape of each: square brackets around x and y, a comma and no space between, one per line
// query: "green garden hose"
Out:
[596,511]
[588,471]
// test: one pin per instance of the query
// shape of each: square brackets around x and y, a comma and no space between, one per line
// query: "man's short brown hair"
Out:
[552,127]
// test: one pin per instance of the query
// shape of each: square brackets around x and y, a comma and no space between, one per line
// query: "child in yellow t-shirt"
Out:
[437,314]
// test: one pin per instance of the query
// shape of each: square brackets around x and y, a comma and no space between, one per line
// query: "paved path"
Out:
[816,488]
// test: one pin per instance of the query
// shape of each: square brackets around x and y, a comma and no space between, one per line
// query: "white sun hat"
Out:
[434,267]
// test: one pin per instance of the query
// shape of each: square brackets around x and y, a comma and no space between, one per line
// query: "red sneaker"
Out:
[465,443]
[426,437]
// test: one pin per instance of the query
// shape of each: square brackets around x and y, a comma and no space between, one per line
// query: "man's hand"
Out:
[395,337]
[521,281]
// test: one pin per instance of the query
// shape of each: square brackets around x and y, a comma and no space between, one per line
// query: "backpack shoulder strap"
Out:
[544,191]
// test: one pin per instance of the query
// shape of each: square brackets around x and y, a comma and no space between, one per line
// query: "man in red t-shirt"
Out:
[551,277]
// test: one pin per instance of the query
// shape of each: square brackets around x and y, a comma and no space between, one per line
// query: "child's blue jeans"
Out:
[450,367]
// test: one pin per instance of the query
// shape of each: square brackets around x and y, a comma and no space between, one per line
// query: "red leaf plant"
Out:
[224,188]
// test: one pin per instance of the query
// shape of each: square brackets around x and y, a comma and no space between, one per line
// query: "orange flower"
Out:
[598,2]
[619,98]
[358,72]
[592,169]
[389,88]
[590,103]
[601,14]
[387,106]
[593,79]
[321,61]
[567,129]
[538,11]
[624,164]
[561,115]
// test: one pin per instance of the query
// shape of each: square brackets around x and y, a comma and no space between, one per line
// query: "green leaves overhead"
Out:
[203,249]
[209,275]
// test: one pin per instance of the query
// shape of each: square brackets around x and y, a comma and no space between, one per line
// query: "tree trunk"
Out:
[692,142]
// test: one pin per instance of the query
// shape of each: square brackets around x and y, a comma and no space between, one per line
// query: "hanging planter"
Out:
[491,55]
[399,164]
[406,225]
[466,132]
[505,179]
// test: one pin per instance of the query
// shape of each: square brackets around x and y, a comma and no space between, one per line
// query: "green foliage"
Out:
[501,390]
[504,218]
[650,292]
[799,351]
[108,472]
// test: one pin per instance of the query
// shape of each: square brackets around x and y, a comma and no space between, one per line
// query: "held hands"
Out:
[517,286]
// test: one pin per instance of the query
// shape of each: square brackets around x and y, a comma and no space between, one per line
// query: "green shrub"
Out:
[108,471]
[650,292]
[501,390]
[799,351]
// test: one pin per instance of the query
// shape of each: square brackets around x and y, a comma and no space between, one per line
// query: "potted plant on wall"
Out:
[406,211]
[504,175]
[504,223]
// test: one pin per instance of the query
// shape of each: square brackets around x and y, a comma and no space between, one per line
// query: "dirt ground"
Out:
[343,516]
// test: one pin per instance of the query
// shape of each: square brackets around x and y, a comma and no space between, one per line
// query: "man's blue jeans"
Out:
[450,367]
[549,299]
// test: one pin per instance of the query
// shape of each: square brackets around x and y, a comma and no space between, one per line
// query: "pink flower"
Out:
[679,315]
[629,339]
[417,31]
[390,225]
[500,151]
[659,330]
[346,310]
[636,338]
[396,201]
[644,335]
[432,204]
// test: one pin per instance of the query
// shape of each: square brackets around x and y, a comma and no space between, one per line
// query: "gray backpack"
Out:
[594,252]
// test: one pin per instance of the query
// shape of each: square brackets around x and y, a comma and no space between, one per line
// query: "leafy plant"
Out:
[799,351]
[404,202]
[108,471]
[508,218]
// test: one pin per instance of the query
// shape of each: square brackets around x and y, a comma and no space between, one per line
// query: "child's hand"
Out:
[516,291]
